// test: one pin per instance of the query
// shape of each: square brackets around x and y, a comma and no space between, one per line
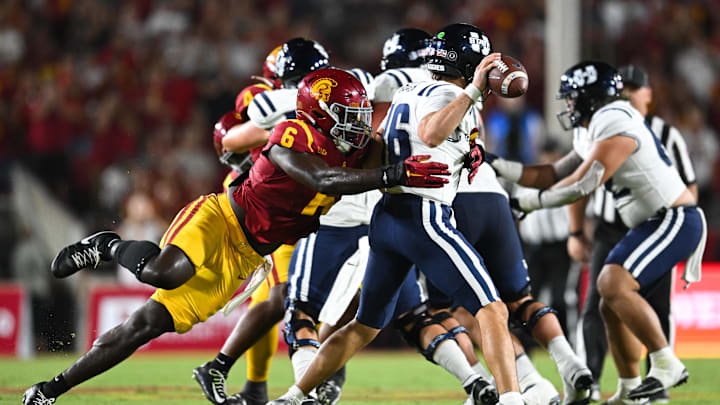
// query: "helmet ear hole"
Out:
[318,114]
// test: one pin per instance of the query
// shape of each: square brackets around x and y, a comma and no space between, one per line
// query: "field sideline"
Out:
[373,377]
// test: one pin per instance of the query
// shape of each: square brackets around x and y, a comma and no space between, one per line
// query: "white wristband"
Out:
[474,93]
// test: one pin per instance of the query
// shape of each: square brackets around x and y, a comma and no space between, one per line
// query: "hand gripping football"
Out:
[508,78]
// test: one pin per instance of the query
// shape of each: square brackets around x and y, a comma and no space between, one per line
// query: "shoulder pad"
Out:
[294,134]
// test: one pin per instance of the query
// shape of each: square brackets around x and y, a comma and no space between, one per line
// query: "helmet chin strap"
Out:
[323,105]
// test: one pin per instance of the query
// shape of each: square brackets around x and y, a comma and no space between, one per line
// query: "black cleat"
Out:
[212,383]
[35,396]
[661,397]
[652,386]
[243,399]
[87,253]
[328,392]
[482,392]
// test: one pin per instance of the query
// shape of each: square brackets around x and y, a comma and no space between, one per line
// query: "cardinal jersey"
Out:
[277,208]
[410,104]
[389,81]
[647,181]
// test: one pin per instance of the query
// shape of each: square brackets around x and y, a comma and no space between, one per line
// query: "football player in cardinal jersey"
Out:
[217,241]
[212,375]
[434,118]
[620,151]
[296,56]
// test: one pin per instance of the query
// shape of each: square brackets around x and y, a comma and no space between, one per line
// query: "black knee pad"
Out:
[294,324]
[420,318]
[134,254]
[534,317]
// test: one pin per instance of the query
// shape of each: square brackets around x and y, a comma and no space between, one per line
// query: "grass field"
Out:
[373,377]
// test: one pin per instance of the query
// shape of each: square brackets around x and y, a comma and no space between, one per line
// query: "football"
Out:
[508,78]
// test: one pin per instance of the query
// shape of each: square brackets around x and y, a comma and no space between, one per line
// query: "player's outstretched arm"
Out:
[313,172]
[603,161]
[244,137]
[537,176]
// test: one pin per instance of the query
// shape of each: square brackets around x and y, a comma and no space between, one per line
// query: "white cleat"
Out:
[537,390]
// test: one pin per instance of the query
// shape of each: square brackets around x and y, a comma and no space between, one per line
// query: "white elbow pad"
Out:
[565,195]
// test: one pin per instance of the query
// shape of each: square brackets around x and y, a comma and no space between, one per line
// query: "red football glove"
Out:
[415,172]
[474,159]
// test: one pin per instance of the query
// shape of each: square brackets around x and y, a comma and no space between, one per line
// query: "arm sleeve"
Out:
[681,158]
[293,134]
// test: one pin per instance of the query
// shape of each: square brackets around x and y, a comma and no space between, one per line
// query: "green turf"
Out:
[373,377]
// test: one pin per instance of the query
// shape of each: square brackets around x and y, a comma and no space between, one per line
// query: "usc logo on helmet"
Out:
[322,87]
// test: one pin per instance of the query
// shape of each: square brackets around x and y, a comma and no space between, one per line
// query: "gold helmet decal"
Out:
[322,87]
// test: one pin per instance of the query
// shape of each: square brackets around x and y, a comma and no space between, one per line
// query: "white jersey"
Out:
[410,104]
[270,108]
[603,205]
[646,182]
[389,81]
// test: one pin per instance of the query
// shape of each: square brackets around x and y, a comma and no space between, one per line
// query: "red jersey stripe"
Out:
[175,221]
[192,213]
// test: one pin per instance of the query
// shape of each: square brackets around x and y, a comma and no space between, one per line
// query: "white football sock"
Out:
[562,354]
[524,366]
[665,366]
[511,398]
[295,394]
[627,384]
[449,356]
[478,368]
[301,360]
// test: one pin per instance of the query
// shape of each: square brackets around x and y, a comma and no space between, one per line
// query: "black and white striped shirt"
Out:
[603,205]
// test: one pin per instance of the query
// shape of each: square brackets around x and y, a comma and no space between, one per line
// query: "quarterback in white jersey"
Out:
[619,151]
[433,119]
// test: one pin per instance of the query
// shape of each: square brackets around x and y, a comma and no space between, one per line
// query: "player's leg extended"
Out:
[385,274]
[428,334]
[536,389]
[625,349]
[451,263]
[499,244]
[146,323]
[633,267]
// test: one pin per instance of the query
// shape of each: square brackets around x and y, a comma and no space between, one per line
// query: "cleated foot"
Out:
[537,390]
[87,253]
[328,392]
[661,397]
[35,396]
[212,383]
[482,392]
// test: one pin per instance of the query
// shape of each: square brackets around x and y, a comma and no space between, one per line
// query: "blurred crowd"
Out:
[111,103]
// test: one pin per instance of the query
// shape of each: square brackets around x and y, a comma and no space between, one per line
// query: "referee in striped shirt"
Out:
[610,229]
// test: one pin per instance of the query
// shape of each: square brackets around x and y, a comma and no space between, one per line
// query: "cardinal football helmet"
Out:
[586,87]
[405,48]
[336,103]
[456,50]
[297,58]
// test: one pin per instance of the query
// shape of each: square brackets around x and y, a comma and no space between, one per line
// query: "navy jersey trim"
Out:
[407,76]
[397,79]
[262,110]
[267,100]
